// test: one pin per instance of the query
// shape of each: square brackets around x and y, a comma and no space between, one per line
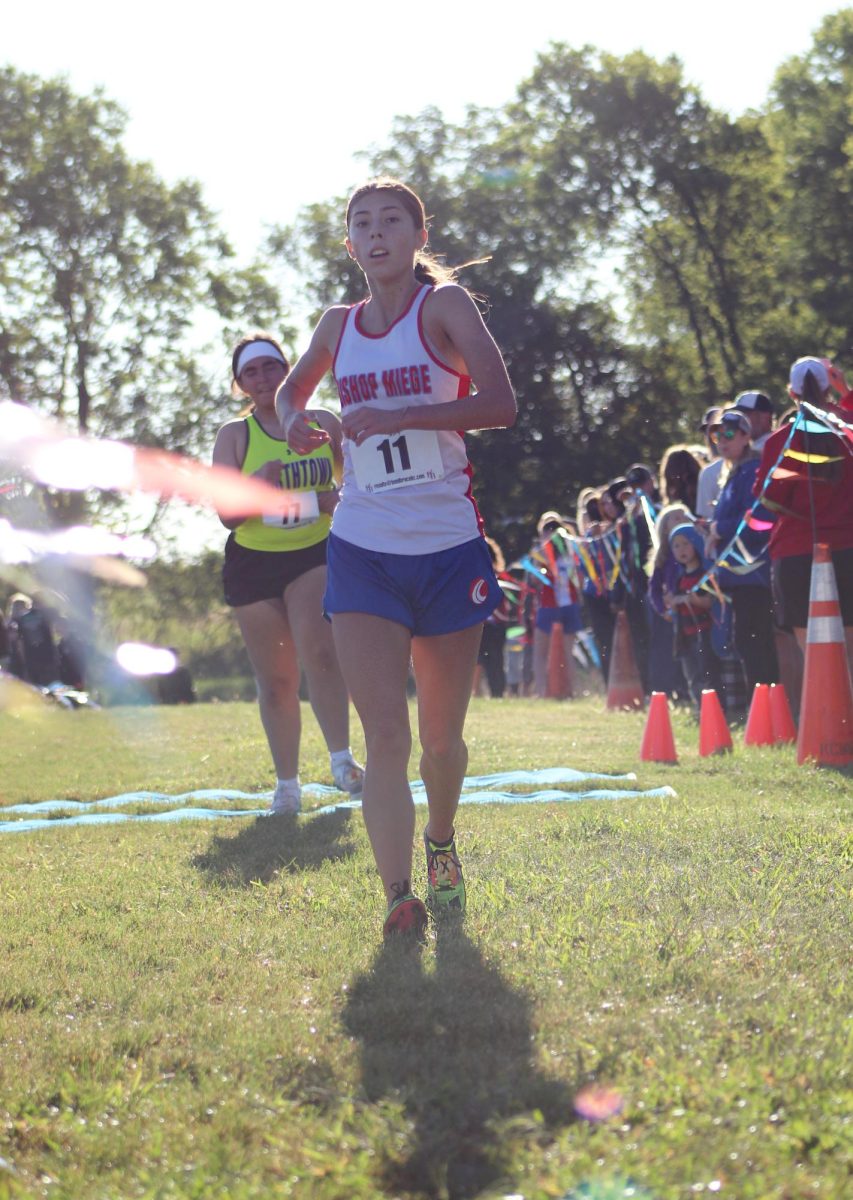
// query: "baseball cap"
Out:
[799,370]
[549,521]
[753,402]
[710,415]
[637,474]
[734,417]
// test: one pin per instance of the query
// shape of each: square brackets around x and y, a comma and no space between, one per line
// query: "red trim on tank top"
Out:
[444,366]
[396,321]
[469,495]
[341,337]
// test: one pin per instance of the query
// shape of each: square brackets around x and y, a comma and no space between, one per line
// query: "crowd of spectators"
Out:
[709,556]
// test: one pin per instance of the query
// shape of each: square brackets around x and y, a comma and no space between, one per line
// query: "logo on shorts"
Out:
[479,591]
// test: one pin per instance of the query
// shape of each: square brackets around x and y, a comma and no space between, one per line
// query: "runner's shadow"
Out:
[277,843]
[454,1045]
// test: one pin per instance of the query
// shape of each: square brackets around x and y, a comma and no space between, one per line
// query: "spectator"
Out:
[750,593]
[177,686]
[664,666]
[640,478]
[813,502]
[71,655]
[679,475]
[38,655]
[708,487]
[558,602]
[759,411]
[691,612]
[491,655]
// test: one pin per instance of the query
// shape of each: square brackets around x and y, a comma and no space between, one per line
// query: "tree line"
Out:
[648,255]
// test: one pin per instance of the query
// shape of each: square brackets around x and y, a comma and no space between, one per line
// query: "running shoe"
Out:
[285,800]
[445,885]
[349,777]
[407,916]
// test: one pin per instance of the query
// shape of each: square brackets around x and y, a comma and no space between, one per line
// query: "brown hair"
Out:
[683,469]
[257,335]
[428,269]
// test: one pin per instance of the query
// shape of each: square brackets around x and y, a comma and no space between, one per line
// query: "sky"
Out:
[267,104]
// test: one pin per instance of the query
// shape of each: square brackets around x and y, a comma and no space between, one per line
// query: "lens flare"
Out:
[45,451]
[75,464]
[139,659]
[598,1103]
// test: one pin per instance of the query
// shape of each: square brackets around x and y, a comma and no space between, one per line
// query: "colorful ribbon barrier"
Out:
[477,789]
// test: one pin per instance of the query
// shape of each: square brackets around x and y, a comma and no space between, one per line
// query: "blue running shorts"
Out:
[429,594]
[569,616]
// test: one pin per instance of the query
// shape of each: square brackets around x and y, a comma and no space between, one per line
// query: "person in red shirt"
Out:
[812,500]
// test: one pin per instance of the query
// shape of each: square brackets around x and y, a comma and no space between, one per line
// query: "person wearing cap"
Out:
[640,478]
[274,576]
[749,589]
[708,487]
[813,502]
[759,410]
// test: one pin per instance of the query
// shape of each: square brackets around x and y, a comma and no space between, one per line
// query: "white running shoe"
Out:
[349,777]
[286,800]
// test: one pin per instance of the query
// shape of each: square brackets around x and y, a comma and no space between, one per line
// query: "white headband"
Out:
[257,350]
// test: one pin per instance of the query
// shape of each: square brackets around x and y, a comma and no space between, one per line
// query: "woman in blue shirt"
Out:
[751,597]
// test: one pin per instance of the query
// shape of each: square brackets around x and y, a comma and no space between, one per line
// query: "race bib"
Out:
[303,509]
[383,463]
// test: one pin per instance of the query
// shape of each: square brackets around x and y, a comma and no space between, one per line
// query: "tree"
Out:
[108,273]
[810,124]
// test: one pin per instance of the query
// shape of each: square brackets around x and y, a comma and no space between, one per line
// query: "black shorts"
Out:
[792,583]
[252,575]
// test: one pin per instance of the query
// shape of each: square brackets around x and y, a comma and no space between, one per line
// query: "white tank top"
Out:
[408,493]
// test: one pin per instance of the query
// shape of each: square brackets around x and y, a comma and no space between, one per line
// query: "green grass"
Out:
[206,1010]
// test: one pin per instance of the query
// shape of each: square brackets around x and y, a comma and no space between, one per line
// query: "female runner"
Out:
[409,571]
[274,576]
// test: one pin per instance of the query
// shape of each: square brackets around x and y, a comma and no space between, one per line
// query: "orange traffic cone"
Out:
[714,735]
[826,709]
[759,723]
[624,686]
[658,744]
[559,668]
[784,729]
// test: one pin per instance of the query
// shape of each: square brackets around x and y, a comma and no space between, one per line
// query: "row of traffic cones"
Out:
[769,724]
[826,711]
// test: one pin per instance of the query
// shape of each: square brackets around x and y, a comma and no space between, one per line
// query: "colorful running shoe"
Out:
[407,916]
[349,777]
[445,885]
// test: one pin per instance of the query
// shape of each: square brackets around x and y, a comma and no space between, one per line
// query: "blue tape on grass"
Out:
[477,789]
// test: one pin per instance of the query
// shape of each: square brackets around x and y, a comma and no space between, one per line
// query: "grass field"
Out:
[205,1009]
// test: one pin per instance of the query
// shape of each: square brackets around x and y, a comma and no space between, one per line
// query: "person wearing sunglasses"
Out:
[759,411]
[747,581]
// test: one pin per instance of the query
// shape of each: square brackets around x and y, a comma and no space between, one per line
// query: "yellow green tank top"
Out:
[314,472]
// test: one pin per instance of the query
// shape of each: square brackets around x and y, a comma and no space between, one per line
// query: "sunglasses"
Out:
[727,432]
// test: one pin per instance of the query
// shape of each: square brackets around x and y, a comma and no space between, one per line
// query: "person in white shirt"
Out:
[708,487]
[409,572]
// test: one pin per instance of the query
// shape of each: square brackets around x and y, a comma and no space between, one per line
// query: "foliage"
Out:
[728,238]
[646,255]
[108,274]
[810,123]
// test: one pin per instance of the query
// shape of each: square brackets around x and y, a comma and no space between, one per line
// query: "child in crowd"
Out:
[692,612]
